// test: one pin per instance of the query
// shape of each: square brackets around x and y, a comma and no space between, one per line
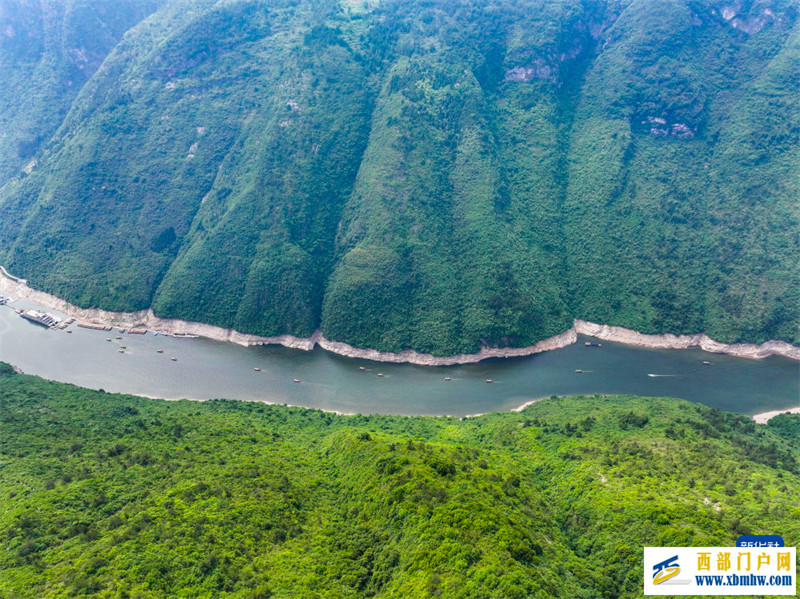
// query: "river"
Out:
[206,369]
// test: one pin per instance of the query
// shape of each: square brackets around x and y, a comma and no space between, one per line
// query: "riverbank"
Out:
[701,340]
[765,417]
[146,319]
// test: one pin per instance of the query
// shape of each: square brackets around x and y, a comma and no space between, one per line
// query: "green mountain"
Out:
[436,175]
[118,496]
[48,51]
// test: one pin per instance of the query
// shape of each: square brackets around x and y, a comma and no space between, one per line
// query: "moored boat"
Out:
[43,318]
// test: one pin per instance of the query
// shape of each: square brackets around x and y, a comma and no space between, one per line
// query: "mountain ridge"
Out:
[430,176]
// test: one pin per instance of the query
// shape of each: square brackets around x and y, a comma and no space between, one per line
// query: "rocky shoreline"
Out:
[145,318]
[701,340]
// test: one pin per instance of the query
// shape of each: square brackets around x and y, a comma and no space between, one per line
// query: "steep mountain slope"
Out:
[118,496]
[678,221]
[48,50]
[430,175]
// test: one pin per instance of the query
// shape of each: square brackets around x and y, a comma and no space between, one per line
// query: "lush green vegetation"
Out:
[117,496]
[436,175]
[48,51]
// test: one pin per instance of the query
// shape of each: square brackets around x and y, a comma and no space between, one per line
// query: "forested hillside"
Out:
[116,496]
[48,51]
[436,175]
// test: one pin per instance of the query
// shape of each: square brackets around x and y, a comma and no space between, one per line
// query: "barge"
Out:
[94,327]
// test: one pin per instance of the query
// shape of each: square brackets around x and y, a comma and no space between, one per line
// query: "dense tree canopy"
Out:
[436,175]
[116,496]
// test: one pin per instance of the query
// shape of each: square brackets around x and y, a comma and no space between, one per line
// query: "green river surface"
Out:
[207,369]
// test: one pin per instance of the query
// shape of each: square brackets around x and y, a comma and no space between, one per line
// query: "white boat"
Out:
[43,318]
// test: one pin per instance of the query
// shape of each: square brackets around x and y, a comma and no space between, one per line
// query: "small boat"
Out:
[70,332]
[489,381]
[706,363]
[296,380]
[257,369]
[117,337]
[447,378]
[361,368]
[578,370]
[123,347]
[380,374]
[174,359]
[592,344]
[120,351]
[159,351]
[108,339]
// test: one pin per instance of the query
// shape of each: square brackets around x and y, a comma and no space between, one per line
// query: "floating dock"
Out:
[94,327]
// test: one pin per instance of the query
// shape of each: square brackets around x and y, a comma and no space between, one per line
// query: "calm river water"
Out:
[208,369]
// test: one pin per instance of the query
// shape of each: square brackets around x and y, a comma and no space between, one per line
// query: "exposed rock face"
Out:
[660,127]
[558,341]
[730,11]
[539,69]
[743,350]
[681,131]
[146,318]
[750,25]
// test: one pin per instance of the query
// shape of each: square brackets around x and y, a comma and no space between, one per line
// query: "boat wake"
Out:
[660,375]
